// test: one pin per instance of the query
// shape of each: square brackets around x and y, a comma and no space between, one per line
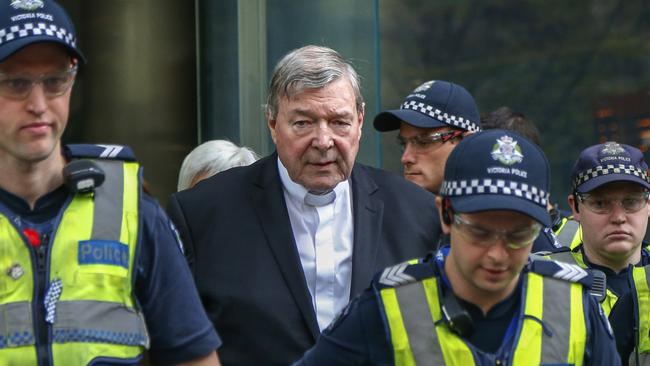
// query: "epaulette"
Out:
[103,151]
[594,280]
[404,273]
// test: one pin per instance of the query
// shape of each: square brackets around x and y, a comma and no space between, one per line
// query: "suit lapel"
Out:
[368,212]
[268,200]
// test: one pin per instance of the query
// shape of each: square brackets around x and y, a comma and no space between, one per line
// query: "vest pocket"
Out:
[98,277]
[100,286]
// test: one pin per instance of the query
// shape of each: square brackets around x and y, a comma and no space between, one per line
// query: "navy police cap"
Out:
[24,22]
[498,170]
[435,103]
[609,162]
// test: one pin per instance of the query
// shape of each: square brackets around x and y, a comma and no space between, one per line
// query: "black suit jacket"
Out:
[239,242]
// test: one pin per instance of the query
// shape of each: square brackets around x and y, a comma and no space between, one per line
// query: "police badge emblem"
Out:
[15,271]
[507,151]
[612,148]
[27,4]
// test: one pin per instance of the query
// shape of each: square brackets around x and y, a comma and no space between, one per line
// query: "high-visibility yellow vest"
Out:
[575,257]
[641,277]
[91,273]
[569,233]
[413,313]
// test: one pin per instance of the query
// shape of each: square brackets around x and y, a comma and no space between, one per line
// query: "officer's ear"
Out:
[445,213]
[573,203]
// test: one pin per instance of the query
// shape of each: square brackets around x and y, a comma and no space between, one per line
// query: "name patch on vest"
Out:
[103,252]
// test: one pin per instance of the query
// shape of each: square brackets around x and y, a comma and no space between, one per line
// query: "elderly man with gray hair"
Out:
[279,247]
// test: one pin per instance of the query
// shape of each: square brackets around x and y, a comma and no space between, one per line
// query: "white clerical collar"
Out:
[297,192]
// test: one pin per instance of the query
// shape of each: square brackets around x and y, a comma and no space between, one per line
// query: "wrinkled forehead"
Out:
[300,86]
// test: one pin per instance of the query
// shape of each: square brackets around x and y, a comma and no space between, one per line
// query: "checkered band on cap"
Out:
[601,170]
[441,116]
[16,32]
[494,186]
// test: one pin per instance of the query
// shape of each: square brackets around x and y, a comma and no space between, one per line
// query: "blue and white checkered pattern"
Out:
[601,170]
[51,298]
[17,339]
[99,336]
[441,116]
[494,186]
[36,29]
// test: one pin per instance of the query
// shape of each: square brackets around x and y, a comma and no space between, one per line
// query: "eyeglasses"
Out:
[480,236]
[424,142]
[18,87]
[630,203]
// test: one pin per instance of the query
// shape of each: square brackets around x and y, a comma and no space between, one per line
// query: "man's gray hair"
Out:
[309,67]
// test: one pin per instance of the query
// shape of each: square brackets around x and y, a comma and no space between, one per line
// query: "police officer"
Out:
[431,122]
[91,271]
[610,202]
[478,301]
[507,119]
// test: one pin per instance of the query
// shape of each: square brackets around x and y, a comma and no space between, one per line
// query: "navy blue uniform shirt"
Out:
[358,336]
[179,329]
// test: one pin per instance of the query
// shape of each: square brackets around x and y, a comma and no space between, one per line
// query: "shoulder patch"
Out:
[404,273]
[570,272]
[592,279]
[395,276]
[560,270]
[103,151]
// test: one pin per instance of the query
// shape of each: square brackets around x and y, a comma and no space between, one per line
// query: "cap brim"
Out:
[596,182]
[492,202]
[16,45]
[391,120]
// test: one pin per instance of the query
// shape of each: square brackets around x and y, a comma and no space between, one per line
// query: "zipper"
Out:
[42,332]
[40,269]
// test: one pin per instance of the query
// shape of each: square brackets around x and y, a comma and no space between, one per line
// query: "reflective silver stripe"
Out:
[646,269]
[569,230]
[644,359]
[97,321]
[565,257]
[16,325]
[419,326]
[557,318]
[107,215]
